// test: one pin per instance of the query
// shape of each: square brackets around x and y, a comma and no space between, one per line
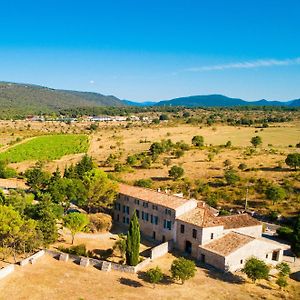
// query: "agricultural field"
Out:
[48,147]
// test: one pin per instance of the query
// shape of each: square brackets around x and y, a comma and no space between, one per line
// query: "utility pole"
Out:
[246,199]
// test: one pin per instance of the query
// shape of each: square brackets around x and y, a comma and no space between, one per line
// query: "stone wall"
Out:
[161,249]
[32,258]
[6,270]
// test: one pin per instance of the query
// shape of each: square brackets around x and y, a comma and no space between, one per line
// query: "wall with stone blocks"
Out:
[161,249]
[32,258]
[6,271]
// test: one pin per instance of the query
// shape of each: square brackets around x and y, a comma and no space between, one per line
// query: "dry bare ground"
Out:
[52,279]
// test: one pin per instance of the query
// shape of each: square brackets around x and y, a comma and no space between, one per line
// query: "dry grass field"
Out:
[52,279]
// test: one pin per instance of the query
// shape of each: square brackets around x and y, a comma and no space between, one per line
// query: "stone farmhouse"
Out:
[224,242]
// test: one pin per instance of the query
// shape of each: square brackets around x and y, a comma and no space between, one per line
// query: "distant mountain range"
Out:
[215,101]
[22,99]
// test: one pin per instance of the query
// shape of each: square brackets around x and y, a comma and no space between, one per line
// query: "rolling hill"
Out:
[31,99]
[222,101]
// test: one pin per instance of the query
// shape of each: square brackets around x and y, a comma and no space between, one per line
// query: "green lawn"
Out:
[47,147]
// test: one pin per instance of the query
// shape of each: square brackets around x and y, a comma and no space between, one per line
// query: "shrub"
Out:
[176,172]
[100,222]
[231,177]
[281,281]
[146,183]
[242,166]
[256,269]
[154,275]
[183,269]
[293,160]
[284,269]
[275,193]
[198,141]
[74,250]
[256,141]
[285,233]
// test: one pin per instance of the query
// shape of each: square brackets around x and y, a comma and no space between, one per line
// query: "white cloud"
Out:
[247,65]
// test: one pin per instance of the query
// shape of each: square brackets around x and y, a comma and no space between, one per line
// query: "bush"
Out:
[284,269]
[275,193]
[176,172]
[79,250]
[146,183]
[256,269]
[198,141]
[281,281]
[100,222]
[183,269]
[154,275]
[231,177]
[242,166]
[285,233]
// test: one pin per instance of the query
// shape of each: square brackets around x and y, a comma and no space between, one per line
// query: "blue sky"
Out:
[153,50]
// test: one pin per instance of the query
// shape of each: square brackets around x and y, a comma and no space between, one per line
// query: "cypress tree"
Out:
[133,242]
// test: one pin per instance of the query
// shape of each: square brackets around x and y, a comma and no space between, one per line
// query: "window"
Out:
[124,209]
[211,236]
[168,212]
[137,201]
[145,204]
[143,215]
[151,219]
[127,220]
[154,207]
[167,224]
[241,261]
[275,255]
[127,210]
[118,206]
[118,217]
[124,220]
[267,255]
[147,217]
[137,213]
[194,233]
[182,228]
[155,220]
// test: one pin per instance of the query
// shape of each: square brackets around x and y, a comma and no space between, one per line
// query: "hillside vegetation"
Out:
[47,147]
[22,99]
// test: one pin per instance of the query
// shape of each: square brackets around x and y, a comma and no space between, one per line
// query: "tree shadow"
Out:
[264,286]
[161,178]
[103,253]
[275,169]
[223,276]
[166,280]
[130,282]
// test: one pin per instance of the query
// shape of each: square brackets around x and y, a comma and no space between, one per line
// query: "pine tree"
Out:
[133,242]
[296,237]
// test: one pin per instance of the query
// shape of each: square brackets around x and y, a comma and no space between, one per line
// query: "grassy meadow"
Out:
[48,147]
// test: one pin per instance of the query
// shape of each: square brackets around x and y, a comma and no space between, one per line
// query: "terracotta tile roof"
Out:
[237,221]
[152,196]
[204,217]
[200,216]
[228,243]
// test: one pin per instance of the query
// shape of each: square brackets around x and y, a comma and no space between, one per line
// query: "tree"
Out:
[133,242]
[256,269]
[101,191]
[296,237]
[176,172]
[231,176]
[17,234]
[154,275]
[75,222]
[37,179]
[256,141]
[85,165]
[198,141]
[275,193]
[293,160]
[183,269]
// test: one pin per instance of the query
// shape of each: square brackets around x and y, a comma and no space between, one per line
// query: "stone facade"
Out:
[193,227]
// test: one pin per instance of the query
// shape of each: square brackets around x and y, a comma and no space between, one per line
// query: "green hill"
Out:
[21,99]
